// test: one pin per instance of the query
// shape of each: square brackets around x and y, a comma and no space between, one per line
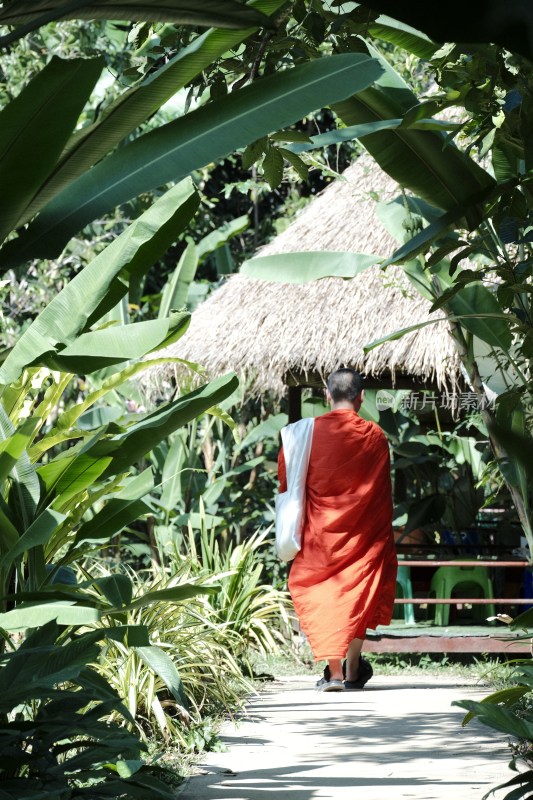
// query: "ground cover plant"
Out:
[509,710]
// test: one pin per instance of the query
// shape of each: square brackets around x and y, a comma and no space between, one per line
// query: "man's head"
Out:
[345,388]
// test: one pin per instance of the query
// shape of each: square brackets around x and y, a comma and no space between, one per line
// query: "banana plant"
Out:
[55,669]
[423,161]
[196,471]
[77,195]
[50,495]
[85,147]
[66,490]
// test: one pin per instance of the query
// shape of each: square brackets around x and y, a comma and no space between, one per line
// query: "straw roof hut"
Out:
[279,334]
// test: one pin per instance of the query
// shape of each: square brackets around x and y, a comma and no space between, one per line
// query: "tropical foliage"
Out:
[81,467]
[508,710]
[73,470]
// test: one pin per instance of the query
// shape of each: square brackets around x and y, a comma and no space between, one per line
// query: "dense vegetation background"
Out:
[141,161]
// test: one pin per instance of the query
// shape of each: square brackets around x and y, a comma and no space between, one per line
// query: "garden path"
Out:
[399,738]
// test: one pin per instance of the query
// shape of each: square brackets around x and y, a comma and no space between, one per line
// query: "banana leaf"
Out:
[13,447]
[87,146]
[99,285]
[188,143]
[171,476]
[25,483]
[163,666]
[104,348]
[421,161]
[120,510]
[481,314]
[64,478]
[403,36]
[175,292]
[32,14]
[33,133]
[33,616]
[301,267]
[37,534]
[222,235]
[499,718]
[127,448]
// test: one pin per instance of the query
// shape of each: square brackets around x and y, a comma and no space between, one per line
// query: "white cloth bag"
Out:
[290,505]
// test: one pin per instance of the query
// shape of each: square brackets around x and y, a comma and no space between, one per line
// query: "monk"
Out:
[343,580]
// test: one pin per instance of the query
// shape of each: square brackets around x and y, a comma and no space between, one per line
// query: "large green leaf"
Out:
[481,314]
[40,663]
[25,481]
[32,14]
[507,697]
[37,534]
[221,236]
[171,476]
[13,447]
[480,322]
[117,588]
[177,148]
[64,478]
[128,447]
[65,429]
[175,292]
[104,348]
[303,267]
[421,161]
[351,132]
[136,105]
[121,510]
[500,718]
[163,666]
[398,334]
[33,616]
[98,287]
[519,446]
[34,128]
[9,536]
[402,36]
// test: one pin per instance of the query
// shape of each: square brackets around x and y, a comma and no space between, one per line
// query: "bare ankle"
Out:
[335,669]
[352,670]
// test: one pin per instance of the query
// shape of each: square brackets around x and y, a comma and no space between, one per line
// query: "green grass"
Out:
[487,669]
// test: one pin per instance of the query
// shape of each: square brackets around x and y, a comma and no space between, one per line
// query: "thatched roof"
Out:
[266,331]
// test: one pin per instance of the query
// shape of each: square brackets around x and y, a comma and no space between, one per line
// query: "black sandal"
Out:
[363,676]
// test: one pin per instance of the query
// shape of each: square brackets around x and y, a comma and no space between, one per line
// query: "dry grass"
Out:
[265,330]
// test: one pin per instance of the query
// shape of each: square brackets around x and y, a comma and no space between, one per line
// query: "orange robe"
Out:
[343,580]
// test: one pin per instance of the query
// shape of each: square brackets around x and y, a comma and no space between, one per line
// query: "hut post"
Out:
[295,403]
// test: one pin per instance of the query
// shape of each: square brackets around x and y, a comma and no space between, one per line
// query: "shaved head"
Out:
[345,385]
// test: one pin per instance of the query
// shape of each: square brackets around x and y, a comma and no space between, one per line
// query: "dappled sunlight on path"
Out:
[399,738]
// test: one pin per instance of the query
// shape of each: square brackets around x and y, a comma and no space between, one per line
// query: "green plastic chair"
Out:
[467,582]
[404,589]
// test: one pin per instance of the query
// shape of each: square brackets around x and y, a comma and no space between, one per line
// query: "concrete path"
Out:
[399,738]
